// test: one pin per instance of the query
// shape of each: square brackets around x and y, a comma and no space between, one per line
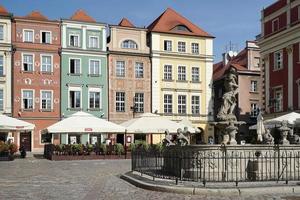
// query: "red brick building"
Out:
[279,43]
[36,75]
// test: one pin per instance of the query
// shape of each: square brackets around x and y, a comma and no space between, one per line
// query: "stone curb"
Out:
[236,191]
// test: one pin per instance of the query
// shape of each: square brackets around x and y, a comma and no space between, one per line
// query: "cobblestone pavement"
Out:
[41,179]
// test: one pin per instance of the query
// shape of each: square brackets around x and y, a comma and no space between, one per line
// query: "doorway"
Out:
[25,140]
[120,138]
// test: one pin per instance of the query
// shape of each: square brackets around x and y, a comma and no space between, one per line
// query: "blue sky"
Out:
[227,20]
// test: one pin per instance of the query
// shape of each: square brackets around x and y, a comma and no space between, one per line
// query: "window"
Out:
[195,74]
[181,73]
[195,48]
[254,110]
[120,101]
[46,64]
[46,100]
[181,46]
[275,25]
[1,66]
[129,44]
[75,99]
[1,99]
[75,66]
[28,36]
[1,32]
[278,60]
[94,67]
[168,45]
[120,69]
[253,86]
[27,63]
[46,138]
[46,37]
[139,102]
[168,103]
[93,42]
[94,100]
[195,105]
[181,28]
[168,72]
[27,99]
[74,40]
[139,70]
[181,104]
[278,100]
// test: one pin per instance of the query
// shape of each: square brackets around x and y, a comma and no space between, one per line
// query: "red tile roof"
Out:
[80,15]
[3,11]
[125,22]
[36,15]
[170,19]
[239,62]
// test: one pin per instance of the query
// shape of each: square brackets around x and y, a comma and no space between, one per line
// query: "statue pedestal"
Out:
[228,130]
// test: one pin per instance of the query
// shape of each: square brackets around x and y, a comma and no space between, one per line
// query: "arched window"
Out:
[181,28]
[129,44]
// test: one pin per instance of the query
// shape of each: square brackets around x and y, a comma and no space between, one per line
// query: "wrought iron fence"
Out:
[220,163]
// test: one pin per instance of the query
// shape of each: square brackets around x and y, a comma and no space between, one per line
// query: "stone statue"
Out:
[168,139]
[182,139]
[284,131]
[229,97]
[268,138]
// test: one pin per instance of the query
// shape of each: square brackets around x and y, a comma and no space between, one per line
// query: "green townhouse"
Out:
[83,71]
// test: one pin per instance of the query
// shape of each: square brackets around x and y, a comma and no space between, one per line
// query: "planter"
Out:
[5,156]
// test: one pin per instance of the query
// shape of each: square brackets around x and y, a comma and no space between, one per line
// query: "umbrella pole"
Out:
[125,143]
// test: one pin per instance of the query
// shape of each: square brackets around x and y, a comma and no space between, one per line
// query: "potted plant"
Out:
[119,149]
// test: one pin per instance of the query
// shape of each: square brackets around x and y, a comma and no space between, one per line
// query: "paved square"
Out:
[42,179]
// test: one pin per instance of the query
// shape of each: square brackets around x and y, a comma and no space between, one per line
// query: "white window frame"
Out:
[181,47]
[2,66]
[139,71]
[180,105]
[31,30]
[120,102]
[72,34]
[41,61]
[276,66]
[253,86]
[180,73]
[170,46]
[194,106]
[2,25]
[41,98]
[278,90]
[2,100]
[195,75]
[168,73]
[100,98]
[116,69]
[193,48]
[97,60]
[31,54]
[41,36]
[33,99]
[139,105]
[97,44]
[168,105]
[129,44]
[75,89]
[273,25]
[80,70]
[253,111]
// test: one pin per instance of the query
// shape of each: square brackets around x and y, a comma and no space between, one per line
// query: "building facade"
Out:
[129,72]
[83,69]
[280,43]
[182,62]
[36,76]
[5,62]
[249,100]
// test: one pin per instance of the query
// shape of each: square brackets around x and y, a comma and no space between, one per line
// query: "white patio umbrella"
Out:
[10,123]
[82,122]
[152,123]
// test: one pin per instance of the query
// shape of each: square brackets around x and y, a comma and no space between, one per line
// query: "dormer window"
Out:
[129,44]
[181,28]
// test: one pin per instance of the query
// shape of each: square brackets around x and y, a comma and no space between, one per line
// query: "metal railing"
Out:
[220,163]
